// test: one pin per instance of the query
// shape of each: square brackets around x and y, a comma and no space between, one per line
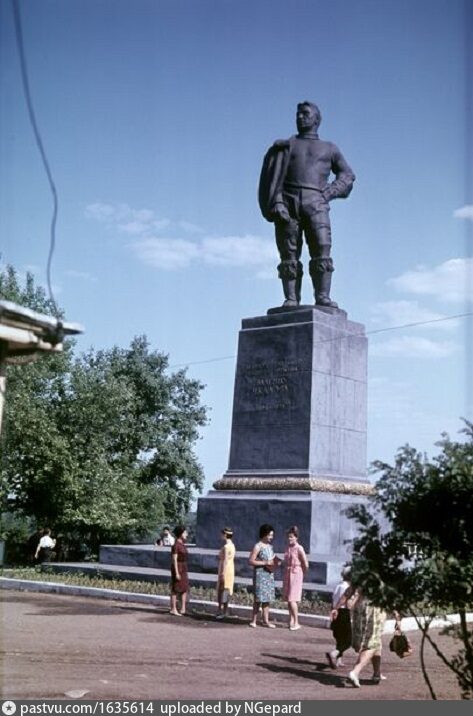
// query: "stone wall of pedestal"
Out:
[325,530]
[299,404]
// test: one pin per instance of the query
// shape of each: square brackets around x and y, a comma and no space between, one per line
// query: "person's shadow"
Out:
[322,674]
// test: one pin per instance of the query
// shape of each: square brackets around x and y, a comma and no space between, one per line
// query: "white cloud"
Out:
[190,228]
[231,251]
[451,281]
[174,252]
[82,275]
[400,313]
[136,222]
[413,347]
[101,212]
[136,228]
[167,254]
[144,215]
[466,212]
[124,218]
[161,224]
[238,251]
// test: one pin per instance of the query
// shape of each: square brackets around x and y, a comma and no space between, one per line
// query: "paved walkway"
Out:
[54,644]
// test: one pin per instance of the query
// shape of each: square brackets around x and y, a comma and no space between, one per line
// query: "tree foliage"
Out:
[415,548]
[100,446]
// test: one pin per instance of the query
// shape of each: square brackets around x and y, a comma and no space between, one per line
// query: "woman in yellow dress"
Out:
[226,572]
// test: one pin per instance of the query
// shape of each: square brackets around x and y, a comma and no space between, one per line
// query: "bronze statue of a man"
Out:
[294,194]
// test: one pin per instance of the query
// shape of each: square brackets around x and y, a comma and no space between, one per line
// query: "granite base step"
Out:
[150,574]
[323,570]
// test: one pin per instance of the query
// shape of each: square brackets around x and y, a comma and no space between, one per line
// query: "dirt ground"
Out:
[54,644]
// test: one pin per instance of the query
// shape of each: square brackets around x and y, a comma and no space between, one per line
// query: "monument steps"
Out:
[150,574]
[204,561]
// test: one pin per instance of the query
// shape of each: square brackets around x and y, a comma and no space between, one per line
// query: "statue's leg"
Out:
[300,272]
[289,243]
[321,264]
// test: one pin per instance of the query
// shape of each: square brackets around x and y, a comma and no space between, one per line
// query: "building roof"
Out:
[24,332]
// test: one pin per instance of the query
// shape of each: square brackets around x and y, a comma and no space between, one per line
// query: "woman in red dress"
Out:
[179,578]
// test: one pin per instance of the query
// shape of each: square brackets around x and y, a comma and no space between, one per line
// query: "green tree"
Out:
[26,417]
[415,548]
[100,446]
[29,295]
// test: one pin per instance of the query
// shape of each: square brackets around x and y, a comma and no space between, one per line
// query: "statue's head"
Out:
[308,116]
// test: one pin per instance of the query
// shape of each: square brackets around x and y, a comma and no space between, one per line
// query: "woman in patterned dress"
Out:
[264,562]
[367,630]
[179,578]
[295,566]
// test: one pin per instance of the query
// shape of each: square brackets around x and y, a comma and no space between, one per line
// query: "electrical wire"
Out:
[468,176]
[419,323]
[39,144]
[339,338]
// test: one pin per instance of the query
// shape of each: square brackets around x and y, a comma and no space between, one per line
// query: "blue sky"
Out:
[156,115]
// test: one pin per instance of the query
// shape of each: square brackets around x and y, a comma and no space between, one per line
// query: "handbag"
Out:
[272,567]
[400,644]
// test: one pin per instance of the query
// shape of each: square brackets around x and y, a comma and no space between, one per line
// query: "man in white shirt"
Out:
[45,546]
[165,539]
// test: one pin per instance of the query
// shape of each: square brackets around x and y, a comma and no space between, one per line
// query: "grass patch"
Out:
[313,604]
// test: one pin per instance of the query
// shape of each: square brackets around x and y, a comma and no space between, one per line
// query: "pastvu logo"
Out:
[9,708]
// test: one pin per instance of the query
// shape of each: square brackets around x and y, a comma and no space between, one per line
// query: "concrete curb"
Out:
[279,615]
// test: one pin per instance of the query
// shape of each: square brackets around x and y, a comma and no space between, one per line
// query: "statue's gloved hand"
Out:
[327,193]
[280,213]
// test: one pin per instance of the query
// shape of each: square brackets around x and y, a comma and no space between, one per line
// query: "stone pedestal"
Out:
[299,407]
[298,442]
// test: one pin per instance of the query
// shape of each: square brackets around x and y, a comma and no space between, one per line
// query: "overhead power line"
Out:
[419,323]
[339,338]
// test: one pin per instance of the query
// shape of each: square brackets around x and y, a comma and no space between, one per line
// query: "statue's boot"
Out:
[321,270]
[322,283]
[290,292]
[290,273]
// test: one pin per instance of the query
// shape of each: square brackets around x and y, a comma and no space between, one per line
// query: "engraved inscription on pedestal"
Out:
[269,385]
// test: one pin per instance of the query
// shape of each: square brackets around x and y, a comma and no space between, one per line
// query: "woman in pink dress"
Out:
[295,566]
